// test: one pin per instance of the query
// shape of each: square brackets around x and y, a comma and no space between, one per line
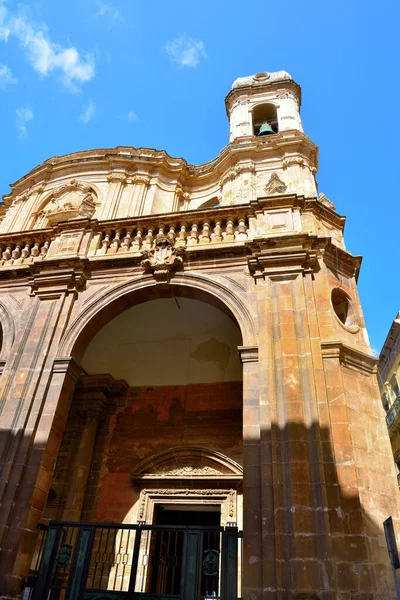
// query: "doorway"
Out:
[167,554]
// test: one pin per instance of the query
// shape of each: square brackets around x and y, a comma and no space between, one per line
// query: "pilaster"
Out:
[35,394]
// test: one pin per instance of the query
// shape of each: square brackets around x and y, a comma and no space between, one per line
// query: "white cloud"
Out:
[132,116]
[88,113]
[4,29]
[22,117]
[6,77]
[46,56]
[185,51]
[105,9]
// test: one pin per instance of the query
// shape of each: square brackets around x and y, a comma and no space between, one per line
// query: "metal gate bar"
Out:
[89,561]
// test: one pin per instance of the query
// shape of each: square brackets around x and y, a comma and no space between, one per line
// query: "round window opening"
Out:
[343,308]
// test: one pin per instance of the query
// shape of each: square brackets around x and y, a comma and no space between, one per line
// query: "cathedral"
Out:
[189,404]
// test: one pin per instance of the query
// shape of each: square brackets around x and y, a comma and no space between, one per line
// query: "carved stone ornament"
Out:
[275,185]
[71,201]
[188,470]
[163,259]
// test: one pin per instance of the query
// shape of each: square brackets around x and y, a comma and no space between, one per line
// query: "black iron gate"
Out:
[97,561]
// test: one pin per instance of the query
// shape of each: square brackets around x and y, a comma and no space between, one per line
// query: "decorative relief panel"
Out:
[279,219]
[74,200]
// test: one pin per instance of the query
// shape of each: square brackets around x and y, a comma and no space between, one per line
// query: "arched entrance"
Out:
[162,376]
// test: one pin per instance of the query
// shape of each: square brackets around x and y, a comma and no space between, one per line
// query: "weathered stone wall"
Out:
[153,419]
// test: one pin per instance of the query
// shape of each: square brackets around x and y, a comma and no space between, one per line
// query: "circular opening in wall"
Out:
[343,308]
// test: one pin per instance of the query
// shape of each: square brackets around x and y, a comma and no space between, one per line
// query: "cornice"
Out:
[351,357]
[128,159]
[250,90]
[341,260]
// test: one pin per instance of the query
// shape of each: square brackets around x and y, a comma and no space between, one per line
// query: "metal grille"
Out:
[89,561]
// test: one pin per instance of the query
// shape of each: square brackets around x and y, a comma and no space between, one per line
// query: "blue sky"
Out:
[93,73]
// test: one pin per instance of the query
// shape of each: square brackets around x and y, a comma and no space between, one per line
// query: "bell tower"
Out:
[263,104]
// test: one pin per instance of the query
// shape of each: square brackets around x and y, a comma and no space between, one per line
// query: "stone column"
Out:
[91,414]
[96,397]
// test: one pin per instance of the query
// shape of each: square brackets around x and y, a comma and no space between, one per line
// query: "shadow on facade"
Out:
[306,533]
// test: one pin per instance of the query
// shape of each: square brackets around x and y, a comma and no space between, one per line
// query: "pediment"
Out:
[74,200]
[188,463]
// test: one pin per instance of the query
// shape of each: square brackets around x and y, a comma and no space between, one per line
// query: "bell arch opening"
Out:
[265,120]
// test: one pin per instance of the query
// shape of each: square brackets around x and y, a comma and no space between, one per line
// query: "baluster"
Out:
[43,249]
[193,235]
[242,229]
[172,234]
[216,236]
[1,254]
[229,232]
[181,237]
[205,233]
[35,250]
[106,242]
[16,253]
[25,252]
[137,241]
[126,244]
[7,253]
[116,242]
[148,241]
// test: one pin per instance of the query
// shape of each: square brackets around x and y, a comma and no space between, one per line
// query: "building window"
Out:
[394,388]
[265,120]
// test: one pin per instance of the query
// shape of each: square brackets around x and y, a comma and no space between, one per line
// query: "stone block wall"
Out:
[152,420]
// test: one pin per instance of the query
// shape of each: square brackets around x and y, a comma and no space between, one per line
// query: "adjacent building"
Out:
[189,403]
[388,378]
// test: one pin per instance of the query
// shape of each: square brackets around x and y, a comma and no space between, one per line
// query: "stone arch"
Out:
[103,309]
[7,333]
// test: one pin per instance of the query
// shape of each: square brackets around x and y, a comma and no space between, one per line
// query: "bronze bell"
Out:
[266,129]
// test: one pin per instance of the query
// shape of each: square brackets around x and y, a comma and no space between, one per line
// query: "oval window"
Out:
[343,308]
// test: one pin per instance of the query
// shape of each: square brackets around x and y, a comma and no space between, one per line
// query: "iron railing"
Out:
[393,413]
[99,561]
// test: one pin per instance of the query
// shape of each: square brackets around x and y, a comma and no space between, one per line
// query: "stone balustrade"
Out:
[192,230]
[188,234]
[24,248]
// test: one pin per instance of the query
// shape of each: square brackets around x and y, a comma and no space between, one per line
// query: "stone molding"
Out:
[350,357]
[68,366]
[188,463]
[226,497]
[55,278]
[248,354]
[283,258]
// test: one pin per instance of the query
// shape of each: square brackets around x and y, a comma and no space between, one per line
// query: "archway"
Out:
[161,370]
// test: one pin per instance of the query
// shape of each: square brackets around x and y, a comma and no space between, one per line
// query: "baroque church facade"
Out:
[184,358]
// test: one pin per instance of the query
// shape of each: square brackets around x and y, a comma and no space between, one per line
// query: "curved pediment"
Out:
[74,200]
[188,463]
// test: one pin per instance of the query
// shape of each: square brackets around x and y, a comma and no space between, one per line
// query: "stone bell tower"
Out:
[272,98]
